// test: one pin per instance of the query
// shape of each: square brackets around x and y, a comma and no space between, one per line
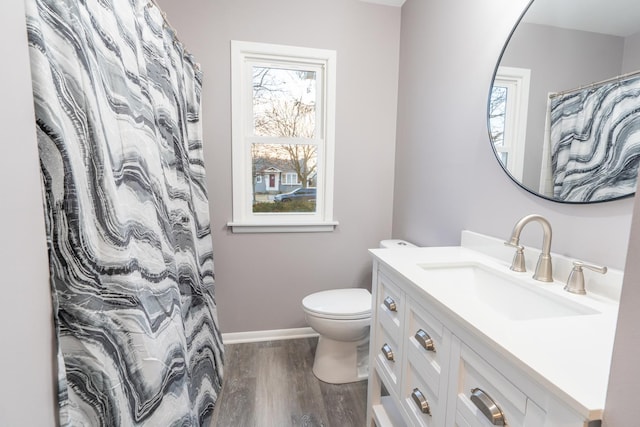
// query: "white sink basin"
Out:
[501,292]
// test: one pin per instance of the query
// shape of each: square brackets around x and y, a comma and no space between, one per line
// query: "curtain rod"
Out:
[594,84]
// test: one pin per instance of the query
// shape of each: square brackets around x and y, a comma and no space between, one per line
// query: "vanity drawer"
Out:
[388,357]
[421,398]
[481,386]
[426,347]
[390,304]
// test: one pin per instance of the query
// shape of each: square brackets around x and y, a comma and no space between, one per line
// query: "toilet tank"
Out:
[396,243]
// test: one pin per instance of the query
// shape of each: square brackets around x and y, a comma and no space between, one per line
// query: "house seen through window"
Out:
[283,108]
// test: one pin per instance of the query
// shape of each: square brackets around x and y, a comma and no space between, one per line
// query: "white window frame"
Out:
[517,81]
[243,56]
[287,179]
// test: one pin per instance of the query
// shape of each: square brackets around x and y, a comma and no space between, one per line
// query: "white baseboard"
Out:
[271,335]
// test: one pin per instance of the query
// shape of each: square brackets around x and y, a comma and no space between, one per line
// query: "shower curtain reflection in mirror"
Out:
[593,141]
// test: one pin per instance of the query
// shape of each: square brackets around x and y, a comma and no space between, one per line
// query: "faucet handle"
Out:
[596,268]
[575,282]
[518,263]
[514,245]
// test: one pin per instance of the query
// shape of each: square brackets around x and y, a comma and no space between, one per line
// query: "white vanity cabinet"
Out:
[426,370]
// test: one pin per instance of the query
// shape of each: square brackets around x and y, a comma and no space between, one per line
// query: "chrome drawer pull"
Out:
[487,406]
[390,304]
[425,340]
[421,401]
[388,353]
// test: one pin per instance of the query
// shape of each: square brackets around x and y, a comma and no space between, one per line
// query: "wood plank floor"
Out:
[270,384]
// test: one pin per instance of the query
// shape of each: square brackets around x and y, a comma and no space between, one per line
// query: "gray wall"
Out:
[447,178]
[631,53]
[559,60]
[253,291]
[622,394]
[26,360]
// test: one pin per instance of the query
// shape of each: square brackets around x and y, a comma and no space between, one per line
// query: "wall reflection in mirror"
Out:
[564,109]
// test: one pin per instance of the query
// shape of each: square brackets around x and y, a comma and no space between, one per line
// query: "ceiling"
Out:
[615,17]
[396,3]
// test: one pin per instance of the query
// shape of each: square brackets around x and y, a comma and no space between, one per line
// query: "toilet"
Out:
[342,317]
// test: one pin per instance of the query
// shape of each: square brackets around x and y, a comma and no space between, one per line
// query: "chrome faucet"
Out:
[543,271]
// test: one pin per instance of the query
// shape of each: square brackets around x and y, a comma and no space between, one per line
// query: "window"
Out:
[283,105]
[291,179]
[508,117]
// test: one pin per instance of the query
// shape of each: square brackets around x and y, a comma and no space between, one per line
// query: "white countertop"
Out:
[570,356]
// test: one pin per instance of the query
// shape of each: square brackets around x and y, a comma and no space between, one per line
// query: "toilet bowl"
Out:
[341,317]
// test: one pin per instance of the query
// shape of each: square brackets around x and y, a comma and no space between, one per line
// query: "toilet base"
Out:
[341,362]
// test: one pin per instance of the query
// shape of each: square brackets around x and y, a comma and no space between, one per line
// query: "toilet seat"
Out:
[339,304]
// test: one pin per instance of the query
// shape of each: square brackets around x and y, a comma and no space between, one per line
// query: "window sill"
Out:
[311,227]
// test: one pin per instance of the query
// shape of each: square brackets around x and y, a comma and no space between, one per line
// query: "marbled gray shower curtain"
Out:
[595,141]
[117,102]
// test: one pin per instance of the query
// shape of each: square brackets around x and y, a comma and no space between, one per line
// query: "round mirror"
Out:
[564,106]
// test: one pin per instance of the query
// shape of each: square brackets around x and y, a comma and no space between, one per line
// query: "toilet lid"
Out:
[339,303]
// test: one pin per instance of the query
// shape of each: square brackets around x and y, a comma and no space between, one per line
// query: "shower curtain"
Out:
[594,141]
[117,100]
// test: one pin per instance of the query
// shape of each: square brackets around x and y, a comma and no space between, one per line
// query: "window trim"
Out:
[517,81]
[244,220]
